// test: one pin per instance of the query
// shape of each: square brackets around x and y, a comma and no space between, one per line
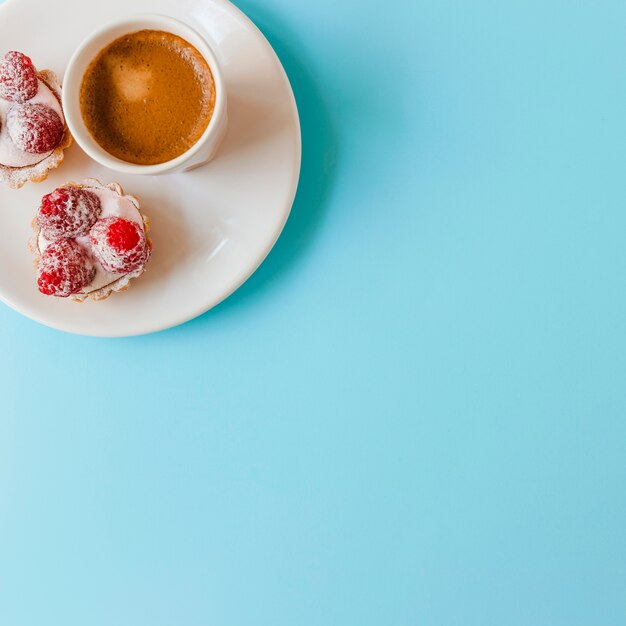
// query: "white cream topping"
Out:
[112,205]
[10,154]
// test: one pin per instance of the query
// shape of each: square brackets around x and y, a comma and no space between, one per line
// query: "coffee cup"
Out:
[206,145]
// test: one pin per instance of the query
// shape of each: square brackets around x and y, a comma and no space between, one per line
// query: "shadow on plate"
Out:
[169,233]
[319,155]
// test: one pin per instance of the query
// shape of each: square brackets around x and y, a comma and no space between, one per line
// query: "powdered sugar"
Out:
[34,128]
[114,203]
[18,77]
[119,245]
[17,175]
[68,212]
[64,269]
[10,154]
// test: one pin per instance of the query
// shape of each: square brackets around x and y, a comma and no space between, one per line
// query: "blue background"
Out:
[414,412]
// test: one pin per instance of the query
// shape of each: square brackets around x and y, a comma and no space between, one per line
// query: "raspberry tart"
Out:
[33,132]
[90,240]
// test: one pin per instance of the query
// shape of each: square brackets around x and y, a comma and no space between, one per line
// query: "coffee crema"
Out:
[147,97]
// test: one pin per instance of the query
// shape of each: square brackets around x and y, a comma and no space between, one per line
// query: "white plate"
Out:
[211,227]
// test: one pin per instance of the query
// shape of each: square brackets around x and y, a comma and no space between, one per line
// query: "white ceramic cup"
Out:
[201,152]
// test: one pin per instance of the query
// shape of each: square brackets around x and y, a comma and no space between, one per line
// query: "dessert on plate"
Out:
[33,132]
[90,240]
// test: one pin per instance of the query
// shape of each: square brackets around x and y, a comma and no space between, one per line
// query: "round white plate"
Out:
[211,227]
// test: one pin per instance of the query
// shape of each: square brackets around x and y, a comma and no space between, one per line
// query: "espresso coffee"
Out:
[147,97]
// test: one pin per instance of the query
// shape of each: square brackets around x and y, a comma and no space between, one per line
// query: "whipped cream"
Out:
[10,154]
[113,204]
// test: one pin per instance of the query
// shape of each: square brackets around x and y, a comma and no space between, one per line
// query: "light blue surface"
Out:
[415,411]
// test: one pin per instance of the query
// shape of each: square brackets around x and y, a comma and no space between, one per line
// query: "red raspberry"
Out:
[18,77]
[68,212]
[64,268]
[119,244]
[34,128]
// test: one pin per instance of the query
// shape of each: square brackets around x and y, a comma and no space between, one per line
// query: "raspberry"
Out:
[68,212]
[34,128]
[119,244]
[64,268]
[18,77]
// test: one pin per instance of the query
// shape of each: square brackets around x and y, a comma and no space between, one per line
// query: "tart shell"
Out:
[123,282]
[16,177]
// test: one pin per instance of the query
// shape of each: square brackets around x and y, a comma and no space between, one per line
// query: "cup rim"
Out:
[72,84]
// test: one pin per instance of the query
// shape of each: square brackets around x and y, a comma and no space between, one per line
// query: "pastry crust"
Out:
[123,282]
[16,177]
